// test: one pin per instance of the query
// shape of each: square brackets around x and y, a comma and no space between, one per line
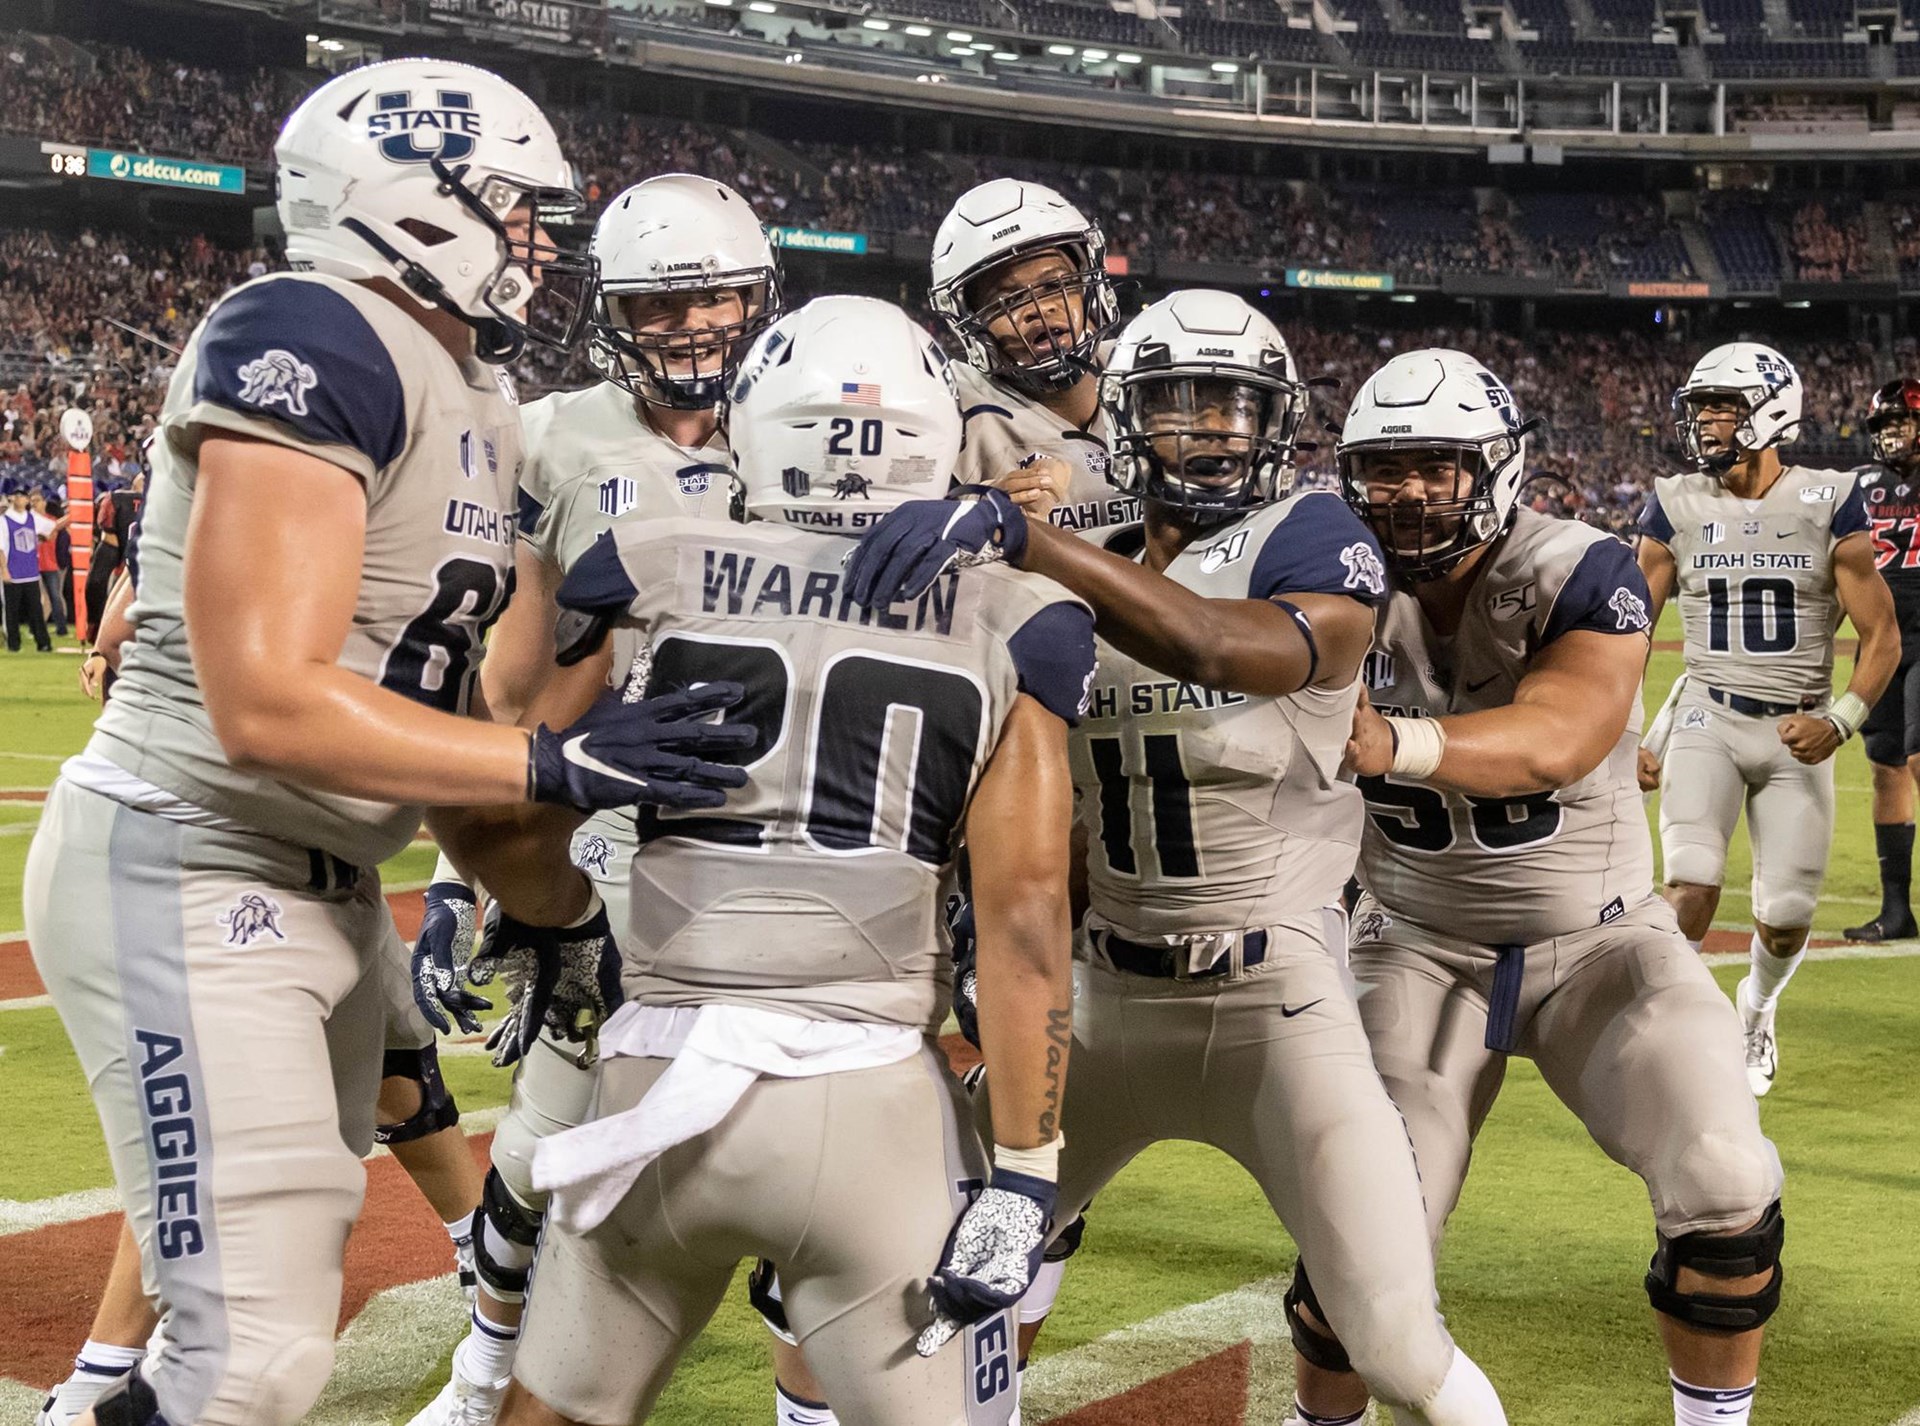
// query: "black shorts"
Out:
[1892,731]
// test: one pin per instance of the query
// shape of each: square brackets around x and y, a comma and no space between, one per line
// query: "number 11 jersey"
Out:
[814,890]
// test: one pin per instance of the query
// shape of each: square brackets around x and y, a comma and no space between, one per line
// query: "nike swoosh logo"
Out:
[1476,687]
[575,752]
[1782,534]
[1287,1013]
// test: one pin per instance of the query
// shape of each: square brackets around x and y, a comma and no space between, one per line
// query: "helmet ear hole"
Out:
[429,235]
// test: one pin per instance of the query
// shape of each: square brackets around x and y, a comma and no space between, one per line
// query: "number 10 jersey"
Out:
[814,890]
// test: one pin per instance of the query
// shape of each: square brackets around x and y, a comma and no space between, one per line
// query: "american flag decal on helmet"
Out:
[860,393]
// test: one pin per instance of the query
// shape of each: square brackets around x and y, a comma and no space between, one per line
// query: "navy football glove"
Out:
[562,979]
[966,979]
[620,754]
[992,1255]
[441,956]
[915,543]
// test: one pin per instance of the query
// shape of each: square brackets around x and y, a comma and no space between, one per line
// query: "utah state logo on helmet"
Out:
[453,127]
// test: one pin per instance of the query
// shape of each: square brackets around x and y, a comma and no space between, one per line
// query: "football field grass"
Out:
[1540,1273]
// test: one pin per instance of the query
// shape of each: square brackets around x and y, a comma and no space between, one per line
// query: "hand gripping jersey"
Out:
[320,365]
[1004,427]
[1520,870]
[592,461]
[1208,811]
[1755,577]
[815,890]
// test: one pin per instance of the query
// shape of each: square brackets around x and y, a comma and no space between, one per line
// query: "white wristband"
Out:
[1848,712]
[1041,1163]
[1418,746]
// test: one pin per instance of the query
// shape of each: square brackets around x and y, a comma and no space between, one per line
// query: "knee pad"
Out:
[292,1382]
[1696,863]
[1721,1255]
[1885,746]
[763,1294]
[504,1236]
[1312,1343]
[1067,1243]
[129,1402]
[1789,904]
[437,1110]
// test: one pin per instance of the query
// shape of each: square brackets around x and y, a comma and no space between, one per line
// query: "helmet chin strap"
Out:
[494,341]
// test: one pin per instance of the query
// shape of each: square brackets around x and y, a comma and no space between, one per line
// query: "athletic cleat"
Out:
[1763,1051]
[46,1415]
[462,1403]
[1884,928]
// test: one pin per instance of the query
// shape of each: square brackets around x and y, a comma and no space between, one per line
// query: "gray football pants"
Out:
[230,1020]
[1270,1066]
[1627,1027]
[849,1183]
[1717,761]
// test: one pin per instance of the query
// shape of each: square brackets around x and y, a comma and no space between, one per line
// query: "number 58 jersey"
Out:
[1509,871]
[815,889]
[321,366]
[1210,812]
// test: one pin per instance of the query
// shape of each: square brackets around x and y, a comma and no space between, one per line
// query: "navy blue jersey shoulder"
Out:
[1606,593]
[1054,659]
[1851,518]
[1319,547]
[302,355]
[529,513]
[1653,520]
[598,581]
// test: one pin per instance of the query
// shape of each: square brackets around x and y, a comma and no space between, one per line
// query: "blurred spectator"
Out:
[21,577]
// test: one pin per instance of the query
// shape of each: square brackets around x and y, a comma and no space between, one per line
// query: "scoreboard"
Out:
[77,161]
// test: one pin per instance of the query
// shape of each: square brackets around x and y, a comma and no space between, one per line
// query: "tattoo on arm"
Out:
[1059,1035]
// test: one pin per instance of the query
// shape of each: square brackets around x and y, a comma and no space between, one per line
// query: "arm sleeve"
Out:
[1850,516]
[1053,655]
[1653,521]
[1606,593]
[1319,547]
[297,364]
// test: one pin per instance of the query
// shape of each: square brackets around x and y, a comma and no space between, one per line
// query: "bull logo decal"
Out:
[277,378]
[252,917]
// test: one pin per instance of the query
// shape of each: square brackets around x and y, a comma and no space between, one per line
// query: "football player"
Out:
[686,280]
[1509,906]
[771,1087]
[327,532]
[1765,559]
[1020,284]
[1891,734]
[1210,999]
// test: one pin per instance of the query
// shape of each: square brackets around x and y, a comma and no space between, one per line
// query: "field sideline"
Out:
[1171,1313]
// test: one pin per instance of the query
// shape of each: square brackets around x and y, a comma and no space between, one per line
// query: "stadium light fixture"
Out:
[794,57]
[919,32]
[1224,66]
[1126,57]
[1005,56]
[1064,51]
[1796,305]
[1093,56]
[981,46]
[960,52]
[1404,297]
[313,39]
[876,24]
[960,37]
[761,7]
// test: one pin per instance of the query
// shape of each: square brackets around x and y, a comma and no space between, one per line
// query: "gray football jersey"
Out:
[1519,870]
[1755,577]
[815,890]
[1004,427]
[592,461]
[1208,811]
[320,365]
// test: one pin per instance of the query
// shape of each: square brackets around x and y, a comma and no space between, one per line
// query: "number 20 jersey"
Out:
[1509,871]
[319,365]
[1755,577]
[814,890]
[1209,812]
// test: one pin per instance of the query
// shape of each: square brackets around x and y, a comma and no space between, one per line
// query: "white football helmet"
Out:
[842,410]
[680,233]
[409,170]
[1001,222]
[1759,380]
[1442,420]
[1205,405]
